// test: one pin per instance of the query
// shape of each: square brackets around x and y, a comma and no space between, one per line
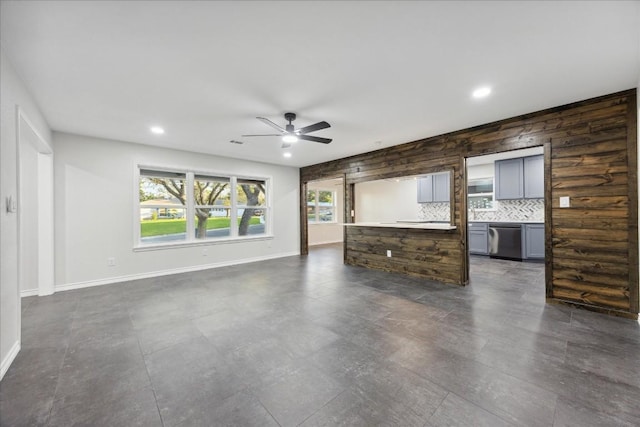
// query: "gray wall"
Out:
[14,94]
[96,203]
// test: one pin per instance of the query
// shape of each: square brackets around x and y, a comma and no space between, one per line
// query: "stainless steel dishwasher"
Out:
[505,241]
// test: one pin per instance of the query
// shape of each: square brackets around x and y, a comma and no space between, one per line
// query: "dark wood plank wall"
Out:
[415,252]
[590,156]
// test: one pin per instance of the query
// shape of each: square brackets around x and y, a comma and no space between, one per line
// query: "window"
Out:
[212,206]
[480,194]
[321,206]
[186,207]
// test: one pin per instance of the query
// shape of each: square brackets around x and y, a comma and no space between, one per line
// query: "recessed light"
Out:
[287,154]
[481,92]
[157,130]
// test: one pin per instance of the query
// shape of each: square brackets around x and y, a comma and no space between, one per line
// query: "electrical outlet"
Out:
[565,202]
[205,252]
[111,262]
[389,253]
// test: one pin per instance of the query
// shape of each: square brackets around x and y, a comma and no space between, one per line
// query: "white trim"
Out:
[46,249]
[200,242]
[29,293]
[111,280]
[8,360]
[233,214]
[189,209]
[44,147]
[44,175]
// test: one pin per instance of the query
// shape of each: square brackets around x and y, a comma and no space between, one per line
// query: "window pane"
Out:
[251,221]
[311,197]
[251,193]
[213,226]
[325,214]
[160,225]
[325,198]
[209,191]
[162,198]
[161,191]
[480,202]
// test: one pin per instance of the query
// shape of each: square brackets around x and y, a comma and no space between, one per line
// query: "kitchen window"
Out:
[480,194]
[321,206]
[186,207]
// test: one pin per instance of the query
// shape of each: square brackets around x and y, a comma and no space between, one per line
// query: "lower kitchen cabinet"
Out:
[478,238]
[534,241]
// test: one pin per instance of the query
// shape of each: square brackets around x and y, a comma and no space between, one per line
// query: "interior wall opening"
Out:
[35,211]
[505,195]
[325,212]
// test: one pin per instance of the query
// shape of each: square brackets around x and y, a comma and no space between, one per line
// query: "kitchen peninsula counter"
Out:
[404,224]
[428,250]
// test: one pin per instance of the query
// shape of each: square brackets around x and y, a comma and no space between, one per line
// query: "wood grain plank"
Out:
[590,156]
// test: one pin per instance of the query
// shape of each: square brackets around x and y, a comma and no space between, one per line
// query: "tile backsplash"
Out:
[434,211]
[506,210]
[512,210]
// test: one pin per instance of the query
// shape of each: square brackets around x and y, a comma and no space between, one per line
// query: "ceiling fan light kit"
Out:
[290,138]
[291,135]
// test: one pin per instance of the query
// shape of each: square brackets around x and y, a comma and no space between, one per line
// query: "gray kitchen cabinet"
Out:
[434,188]
[509,178]
[478,238]
[441,187]
[534,177]
[425,189]
[534,241]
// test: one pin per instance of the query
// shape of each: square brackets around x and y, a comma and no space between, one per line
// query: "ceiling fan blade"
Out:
[315,139]
[313,128]
[270,123]
[268,134]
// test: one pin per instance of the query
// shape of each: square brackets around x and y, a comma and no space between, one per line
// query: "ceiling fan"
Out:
[290,135]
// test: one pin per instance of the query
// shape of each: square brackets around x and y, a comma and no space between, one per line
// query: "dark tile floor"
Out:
[309,341]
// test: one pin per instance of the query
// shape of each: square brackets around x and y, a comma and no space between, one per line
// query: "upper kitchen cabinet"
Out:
[434,188]
[534,177]
[520,178]
[425,189]
[509,179]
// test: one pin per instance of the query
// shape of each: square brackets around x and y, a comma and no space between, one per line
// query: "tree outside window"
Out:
[166,206]
[321,206]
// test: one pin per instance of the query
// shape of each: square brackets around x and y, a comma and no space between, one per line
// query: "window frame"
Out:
[492,194]
[189,208]
[316,206]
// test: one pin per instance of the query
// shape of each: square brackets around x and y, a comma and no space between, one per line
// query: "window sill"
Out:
[206,242]
[324,223]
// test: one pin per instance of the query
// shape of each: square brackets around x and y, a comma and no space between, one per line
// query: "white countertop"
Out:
[417,225]
[507,222]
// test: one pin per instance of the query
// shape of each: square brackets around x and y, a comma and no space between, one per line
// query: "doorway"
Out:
[35,211]
[506,218]
[325,212]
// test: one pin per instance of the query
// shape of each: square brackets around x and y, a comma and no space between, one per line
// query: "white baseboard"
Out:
[110,280]
[8,360]
[325,243]
[28,293]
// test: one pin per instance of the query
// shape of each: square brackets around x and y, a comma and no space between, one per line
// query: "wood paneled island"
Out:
[428,250]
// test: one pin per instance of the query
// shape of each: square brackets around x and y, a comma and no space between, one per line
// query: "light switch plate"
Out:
[565,202]
[11,204]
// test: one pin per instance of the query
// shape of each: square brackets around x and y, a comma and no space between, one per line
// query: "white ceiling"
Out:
[381,73]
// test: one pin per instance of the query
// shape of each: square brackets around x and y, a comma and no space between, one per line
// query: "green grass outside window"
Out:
[160,227]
